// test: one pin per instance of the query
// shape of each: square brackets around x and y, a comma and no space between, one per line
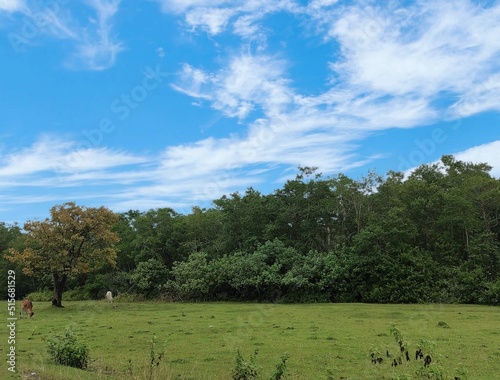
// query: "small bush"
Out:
[129,297]
[76,295]
[280,370]
[66,350]
[245,370]
[155,357]
[40,296]
[148,275]
[492,294]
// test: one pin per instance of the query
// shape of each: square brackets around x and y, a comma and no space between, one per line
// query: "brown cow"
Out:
[27,307]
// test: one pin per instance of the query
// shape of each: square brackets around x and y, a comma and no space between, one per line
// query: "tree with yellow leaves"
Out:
[73,241]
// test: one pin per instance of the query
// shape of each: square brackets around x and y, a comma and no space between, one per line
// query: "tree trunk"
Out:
[59,284]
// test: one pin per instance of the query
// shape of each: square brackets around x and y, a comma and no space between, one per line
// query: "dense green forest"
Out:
[431,237]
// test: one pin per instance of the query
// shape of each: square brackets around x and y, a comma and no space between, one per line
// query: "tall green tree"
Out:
[157,234]
[246,220]
[11,236]
[203,231]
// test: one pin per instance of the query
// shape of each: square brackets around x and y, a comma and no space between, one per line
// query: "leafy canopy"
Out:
[74,240]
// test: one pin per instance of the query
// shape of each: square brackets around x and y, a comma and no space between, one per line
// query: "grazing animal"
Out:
[109,296]
[27,307]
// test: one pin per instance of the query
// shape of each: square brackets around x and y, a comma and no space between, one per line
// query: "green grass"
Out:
[200,340]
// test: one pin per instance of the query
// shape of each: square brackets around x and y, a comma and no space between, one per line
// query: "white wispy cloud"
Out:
[395,64]
[61,158]
[391,71]
[248,82]
[11,5]
[180,6]
[484,153]
[487,153]
[216,16]
[96,45]
[99,47]
[423,51]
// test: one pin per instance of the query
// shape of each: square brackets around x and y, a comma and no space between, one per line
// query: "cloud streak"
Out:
[95,44]
[11,5]
[393,67]
[99,48]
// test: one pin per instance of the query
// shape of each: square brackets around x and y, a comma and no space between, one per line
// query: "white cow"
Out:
[109,296]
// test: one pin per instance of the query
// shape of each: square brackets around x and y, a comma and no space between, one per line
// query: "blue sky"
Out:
[172,103]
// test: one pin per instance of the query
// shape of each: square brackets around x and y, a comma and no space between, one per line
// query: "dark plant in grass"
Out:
[419,366]
[443,324]
[280,370]
[329,374]
[155,357]
[67,350]
[245,370]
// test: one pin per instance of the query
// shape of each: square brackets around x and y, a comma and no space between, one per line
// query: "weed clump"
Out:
[155,357]
[409,367]
[443,324]
[245,370]
[280,370]
[68,351]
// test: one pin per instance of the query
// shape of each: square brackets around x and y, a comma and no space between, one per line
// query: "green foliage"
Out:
[76,295]
[443,324]
[75,241]
[243,369]
[492,294]
[12,237]
[192,278]
[396,333]
[247,369]
[148,277]
[129,297]
[40,296]
[68,351]
[280,370]
[405,366]
[97,284]
[433,236]
[155,357]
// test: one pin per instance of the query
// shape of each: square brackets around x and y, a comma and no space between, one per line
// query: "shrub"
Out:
[155,357]
[148,276]
[245,370]
[67,350]
[97,284]
[280,369]
[40,296]
[76,295]
[492,294]
[129,297]
[443,324]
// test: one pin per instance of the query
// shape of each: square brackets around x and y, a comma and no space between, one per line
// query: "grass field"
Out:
[323,341]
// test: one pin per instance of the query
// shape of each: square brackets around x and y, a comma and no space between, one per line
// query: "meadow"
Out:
[200,340]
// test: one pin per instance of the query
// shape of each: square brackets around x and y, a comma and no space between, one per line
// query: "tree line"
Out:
[433,236]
